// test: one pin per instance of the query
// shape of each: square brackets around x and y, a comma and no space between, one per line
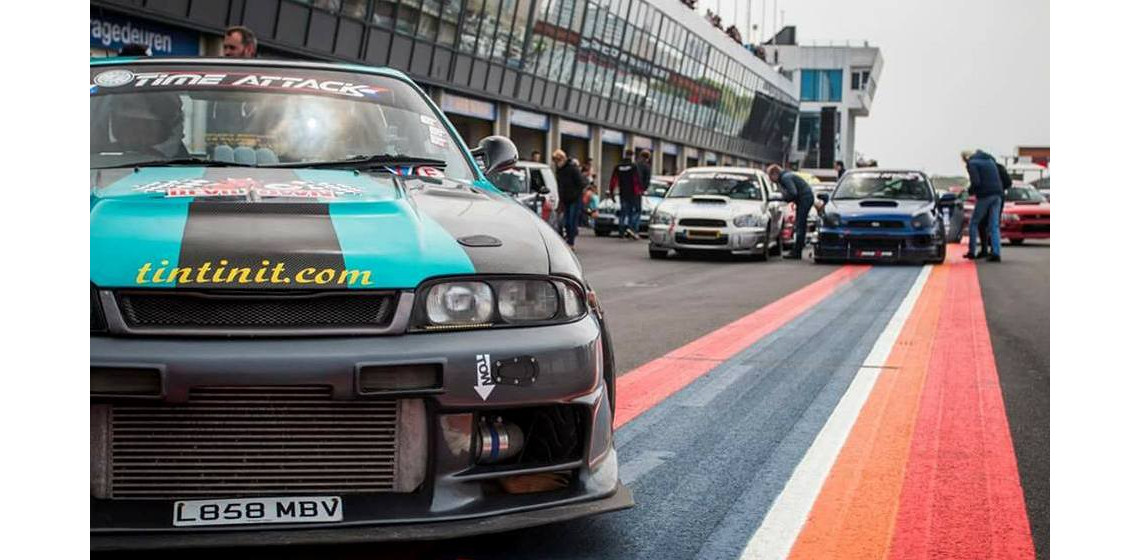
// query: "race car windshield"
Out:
[510,181]
[1022,194]
[265,117]
[895,186]
[733,186]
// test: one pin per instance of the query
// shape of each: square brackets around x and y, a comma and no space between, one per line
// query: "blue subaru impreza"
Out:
[880,215]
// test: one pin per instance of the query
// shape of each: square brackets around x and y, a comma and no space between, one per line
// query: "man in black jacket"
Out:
[796,190]
[984,233]
[571,184]
[986,186]
[626,179]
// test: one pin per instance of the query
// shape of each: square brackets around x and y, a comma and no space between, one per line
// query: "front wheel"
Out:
[658,254]
[941,258]
[601,232]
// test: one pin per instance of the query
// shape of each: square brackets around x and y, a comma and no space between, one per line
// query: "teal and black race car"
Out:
[314,319]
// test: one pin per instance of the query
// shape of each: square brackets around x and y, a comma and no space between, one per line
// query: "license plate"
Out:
[703,233]
[244,511]
[874,254]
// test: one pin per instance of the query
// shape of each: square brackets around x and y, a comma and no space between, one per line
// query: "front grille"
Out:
[712,241]
[201,310]
[701,222]
[876,224]
[876,244]
[250,441]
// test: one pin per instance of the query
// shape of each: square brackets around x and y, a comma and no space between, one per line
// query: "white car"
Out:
[729,209]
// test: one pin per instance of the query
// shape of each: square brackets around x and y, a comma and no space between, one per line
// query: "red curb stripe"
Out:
[651,383]
[962,495]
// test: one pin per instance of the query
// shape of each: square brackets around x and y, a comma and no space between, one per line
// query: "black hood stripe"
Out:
[288,236]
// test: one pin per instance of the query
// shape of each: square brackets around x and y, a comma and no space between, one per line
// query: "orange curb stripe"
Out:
[962,496]
[854,514]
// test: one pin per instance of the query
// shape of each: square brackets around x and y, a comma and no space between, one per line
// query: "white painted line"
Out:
[777,533]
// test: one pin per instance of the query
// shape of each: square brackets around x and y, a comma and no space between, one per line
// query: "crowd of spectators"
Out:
[732,31]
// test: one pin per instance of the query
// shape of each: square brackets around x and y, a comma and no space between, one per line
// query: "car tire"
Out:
[1017,241]
[658,254]
[941,258]
[778,251]
[601,232]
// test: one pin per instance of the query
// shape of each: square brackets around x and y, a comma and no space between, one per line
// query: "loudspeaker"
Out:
[827,137]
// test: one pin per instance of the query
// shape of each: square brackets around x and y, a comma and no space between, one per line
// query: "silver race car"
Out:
[730,209]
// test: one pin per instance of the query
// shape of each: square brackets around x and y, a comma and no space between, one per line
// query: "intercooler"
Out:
[257,441]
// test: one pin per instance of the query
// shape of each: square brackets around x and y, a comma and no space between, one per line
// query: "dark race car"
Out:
[313,319]
[883,215]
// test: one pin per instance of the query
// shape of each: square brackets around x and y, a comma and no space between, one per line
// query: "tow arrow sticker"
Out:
[483,382]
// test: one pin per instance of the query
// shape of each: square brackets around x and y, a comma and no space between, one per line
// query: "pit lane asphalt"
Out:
[1016,294]
[655,306]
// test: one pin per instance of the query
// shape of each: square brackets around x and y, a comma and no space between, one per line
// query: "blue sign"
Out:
[613,137]
[112,32]
[527,119]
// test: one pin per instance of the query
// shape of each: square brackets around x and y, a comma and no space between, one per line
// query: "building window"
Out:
[808,139]
[860,79]
[821,85]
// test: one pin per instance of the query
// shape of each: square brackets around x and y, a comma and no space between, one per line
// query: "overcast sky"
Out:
[956,74]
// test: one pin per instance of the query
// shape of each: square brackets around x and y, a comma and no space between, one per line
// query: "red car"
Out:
[1025,215]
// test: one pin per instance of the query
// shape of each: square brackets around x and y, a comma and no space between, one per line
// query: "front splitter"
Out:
[620,499]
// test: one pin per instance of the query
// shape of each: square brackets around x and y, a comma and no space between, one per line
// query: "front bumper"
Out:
[727,239]
[456,496]
[853,245]
[1037,229]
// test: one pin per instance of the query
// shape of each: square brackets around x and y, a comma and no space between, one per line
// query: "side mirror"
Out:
[544,190]
[824,197]
[495,153]
[947,199]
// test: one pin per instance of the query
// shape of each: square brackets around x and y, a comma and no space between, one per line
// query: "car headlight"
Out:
[526,300]
[498,301]
[831,219]
[1010,217]
[661,217]
[460,303]
[747,220]
[922,221]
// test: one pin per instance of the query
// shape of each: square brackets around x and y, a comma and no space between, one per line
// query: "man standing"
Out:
[536,156]
[571,183]
[986,185]
[983,233]
[795,190]
[239,42]
[626,179]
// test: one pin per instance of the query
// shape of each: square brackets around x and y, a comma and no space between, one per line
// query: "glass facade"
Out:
[623,63]
[821,85]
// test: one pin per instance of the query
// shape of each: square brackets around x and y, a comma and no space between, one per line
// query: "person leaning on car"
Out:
[626,179]
[571,183]
[986,185]
[796,190]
